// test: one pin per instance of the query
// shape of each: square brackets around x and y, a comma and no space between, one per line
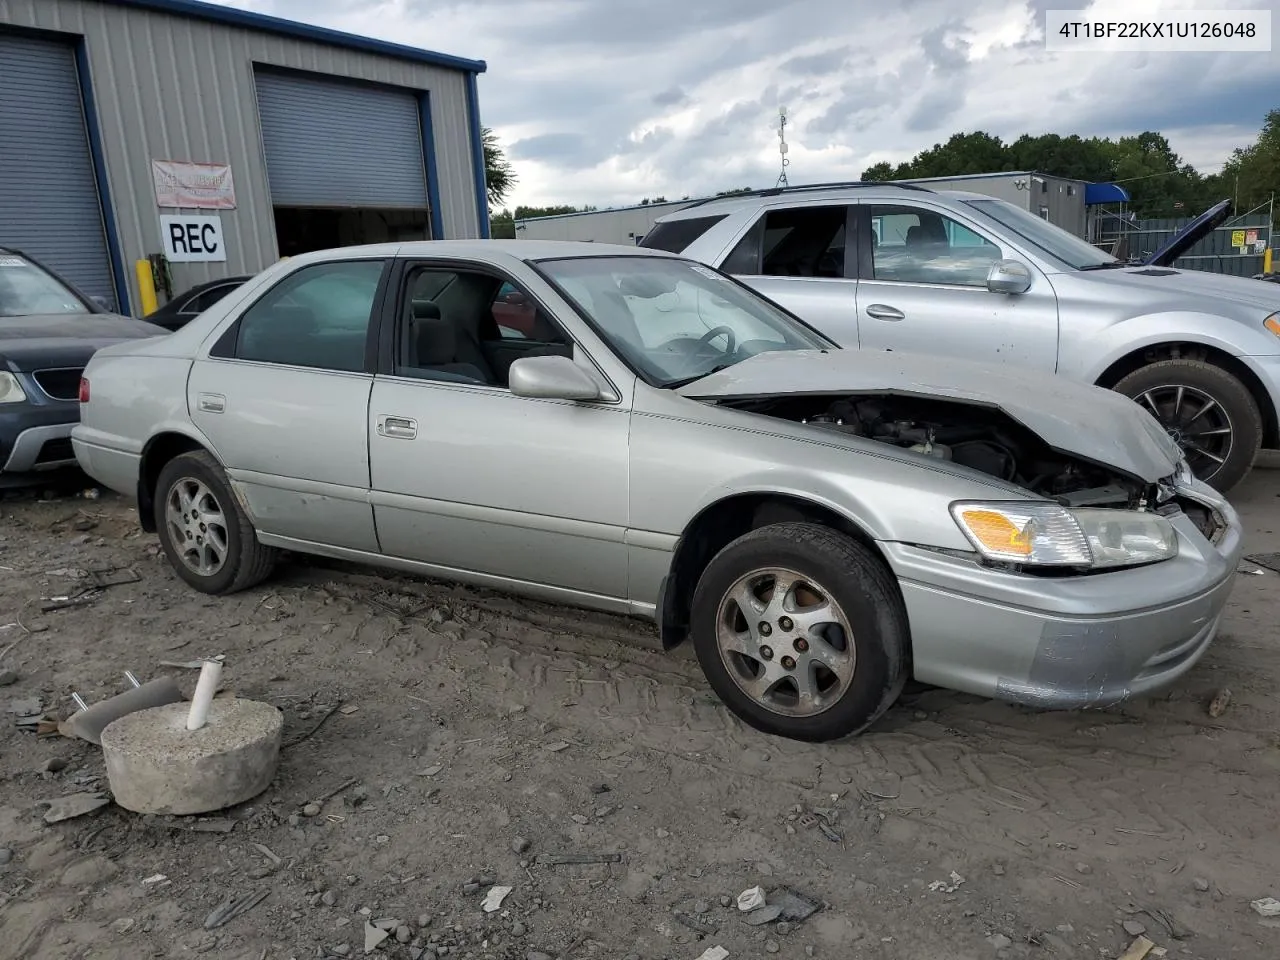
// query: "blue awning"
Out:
[1104,193]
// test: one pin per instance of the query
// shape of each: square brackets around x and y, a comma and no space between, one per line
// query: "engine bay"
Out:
[982,438]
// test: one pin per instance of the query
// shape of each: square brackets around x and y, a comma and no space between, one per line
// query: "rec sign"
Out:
[192,239]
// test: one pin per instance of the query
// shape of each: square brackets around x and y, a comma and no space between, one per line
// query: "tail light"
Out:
[84,390]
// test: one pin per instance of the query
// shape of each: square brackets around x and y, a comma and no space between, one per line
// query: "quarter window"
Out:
[913,245]
[316,317]
[799,242]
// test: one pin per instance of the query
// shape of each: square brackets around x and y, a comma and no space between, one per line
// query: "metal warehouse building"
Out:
[222,140]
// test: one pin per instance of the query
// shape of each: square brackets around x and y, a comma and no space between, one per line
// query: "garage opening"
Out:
[345,161]
[49,204]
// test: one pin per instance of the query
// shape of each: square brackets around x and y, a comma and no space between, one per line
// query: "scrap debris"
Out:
[752,899]
[944,887]
[493,899]
[561,859]
[231,908]
[714,953]
[1218,705]
[1269,560]
[1266,907]
[1139,949]
[74,805]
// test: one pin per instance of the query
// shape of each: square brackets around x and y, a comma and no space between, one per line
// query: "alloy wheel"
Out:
[786,642]
[1196,422]
[197,526]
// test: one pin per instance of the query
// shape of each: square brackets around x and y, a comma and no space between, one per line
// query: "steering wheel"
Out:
[714,332]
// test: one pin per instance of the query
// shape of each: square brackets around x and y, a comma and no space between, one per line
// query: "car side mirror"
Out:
[1009,276]
[551,378]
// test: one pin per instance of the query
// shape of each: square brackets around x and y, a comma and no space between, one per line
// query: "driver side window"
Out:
[462,326]
[915,245]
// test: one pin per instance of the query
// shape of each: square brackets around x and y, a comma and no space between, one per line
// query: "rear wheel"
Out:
[204,532]
[801,631]
[1208,412]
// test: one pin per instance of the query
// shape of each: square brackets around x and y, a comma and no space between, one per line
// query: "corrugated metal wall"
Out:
[173,88]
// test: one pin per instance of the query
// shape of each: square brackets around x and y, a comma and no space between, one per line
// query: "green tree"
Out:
[499,175]
[502,226]
[878,172]
[1252,174]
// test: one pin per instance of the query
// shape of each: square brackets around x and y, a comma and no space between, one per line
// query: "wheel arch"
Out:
[158,451]
[719,524]
[1191,350]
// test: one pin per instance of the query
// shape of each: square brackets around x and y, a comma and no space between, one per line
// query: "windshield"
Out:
[1056,242]
[673,320]
[27,290]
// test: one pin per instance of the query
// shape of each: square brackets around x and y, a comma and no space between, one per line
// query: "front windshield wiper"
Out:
[1111,265]
[677,384]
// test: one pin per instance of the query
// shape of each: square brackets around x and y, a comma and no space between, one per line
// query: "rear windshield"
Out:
[675,235]
[27,290]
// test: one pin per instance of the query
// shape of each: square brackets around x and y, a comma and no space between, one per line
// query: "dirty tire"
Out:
[857,580]
[247,562]
[1231,395]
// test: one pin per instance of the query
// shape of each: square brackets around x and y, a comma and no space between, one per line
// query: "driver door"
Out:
[924,289]
[472,479]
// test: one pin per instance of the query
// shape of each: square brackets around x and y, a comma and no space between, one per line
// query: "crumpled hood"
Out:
[35,343]
[1073,418]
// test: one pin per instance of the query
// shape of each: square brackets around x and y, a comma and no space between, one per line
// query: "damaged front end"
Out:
[1099,499]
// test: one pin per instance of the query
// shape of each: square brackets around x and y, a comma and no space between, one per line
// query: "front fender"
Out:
[1090,359]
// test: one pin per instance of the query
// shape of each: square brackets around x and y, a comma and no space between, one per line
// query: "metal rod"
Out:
[128,675]
[79,701]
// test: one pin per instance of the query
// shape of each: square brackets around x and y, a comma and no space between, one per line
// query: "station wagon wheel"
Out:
[197,526]
[1206,411]
[801,631]
[205,533]
[785,642]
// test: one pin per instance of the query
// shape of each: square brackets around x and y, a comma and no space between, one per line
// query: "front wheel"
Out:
[1205,410]
[204,532]
[801,631]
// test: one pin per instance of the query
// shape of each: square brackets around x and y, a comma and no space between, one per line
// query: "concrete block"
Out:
[156,765]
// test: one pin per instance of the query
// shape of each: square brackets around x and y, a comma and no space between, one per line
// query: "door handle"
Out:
[211,402]
[881,311]
[397,428]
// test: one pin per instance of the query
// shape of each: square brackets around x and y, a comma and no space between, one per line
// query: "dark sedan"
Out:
[185,307]
[48,332]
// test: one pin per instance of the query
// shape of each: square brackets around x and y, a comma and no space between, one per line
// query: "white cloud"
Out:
[608,101]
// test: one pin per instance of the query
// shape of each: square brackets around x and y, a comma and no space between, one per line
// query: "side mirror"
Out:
[551,378]
[1009,276]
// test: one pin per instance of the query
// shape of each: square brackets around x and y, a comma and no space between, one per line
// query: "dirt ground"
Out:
[477,736]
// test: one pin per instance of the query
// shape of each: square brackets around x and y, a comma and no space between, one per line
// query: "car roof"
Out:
[496,252]
[778,196]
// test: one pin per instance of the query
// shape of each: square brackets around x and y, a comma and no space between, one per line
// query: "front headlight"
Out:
[10,389]
[1048,535]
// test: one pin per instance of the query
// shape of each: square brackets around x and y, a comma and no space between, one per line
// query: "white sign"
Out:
[192,239]
[199,186]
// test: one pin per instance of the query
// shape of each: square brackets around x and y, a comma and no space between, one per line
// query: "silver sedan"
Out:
[631,431]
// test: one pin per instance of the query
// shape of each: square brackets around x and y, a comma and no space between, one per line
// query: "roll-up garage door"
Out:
[49,204]
[331,143]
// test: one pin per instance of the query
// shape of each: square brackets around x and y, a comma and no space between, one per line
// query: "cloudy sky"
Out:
[608,101]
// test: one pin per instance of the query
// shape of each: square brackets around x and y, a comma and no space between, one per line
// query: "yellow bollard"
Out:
[1266,260]
[146,286]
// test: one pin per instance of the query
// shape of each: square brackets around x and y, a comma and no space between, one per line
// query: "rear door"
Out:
[804,258]
[283,397]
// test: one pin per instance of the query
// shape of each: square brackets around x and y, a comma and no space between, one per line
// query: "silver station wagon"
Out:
[636,432]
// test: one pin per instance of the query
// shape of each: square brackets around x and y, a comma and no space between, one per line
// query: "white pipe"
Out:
[206,687]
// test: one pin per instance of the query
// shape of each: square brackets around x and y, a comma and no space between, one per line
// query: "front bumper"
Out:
[1069,642]
[36,438]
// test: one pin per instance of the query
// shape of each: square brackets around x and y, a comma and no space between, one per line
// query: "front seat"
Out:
[435,345]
